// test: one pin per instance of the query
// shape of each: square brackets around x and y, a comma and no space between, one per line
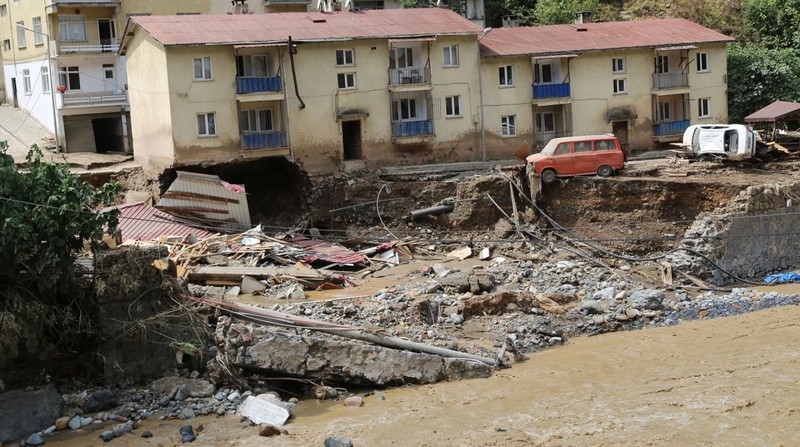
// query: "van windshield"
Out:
[554,148]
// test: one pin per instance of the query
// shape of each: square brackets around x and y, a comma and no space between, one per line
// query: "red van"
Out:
[586,155]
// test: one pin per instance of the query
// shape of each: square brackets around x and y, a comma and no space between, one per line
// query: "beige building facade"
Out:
[349,92]
[645,81]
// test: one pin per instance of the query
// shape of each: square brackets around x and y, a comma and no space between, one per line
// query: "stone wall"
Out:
[754,235]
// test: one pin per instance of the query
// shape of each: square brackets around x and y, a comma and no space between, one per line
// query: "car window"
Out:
[610,144]
[563,148]
[583,146]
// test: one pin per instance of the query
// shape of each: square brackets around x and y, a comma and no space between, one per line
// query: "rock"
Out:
[607,293]
[485,254]
[456,318]
[62,423]
[267,430]
[86,421]
[233,291]
[252,286]
[99,400]
[458,281]
[34,440]
[219,396]
[187,413]
[182,392]
[354,401]
[650,299]
[147,434]
[122,429]
[503,228]
[74,423]
[187,434]
[260,411]
[338,441]
[592,307]
[196,387]
[107,436]
[598,319]
[234,396]
[461,253]
[23,412]
[295,292]
[164,401]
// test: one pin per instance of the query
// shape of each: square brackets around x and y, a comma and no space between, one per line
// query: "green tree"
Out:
[758,76]
[46,213]
[771,23]
[550,12]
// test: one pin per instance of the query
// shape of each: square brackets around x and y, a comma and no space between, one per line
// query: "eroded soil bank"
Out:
[727,381]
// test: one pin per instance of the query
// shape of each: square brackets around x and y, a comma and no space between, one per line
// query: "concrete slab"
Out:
[21,131]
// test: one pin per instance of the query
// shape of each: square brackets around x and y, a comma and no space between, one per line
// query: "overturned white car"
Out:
[726,141]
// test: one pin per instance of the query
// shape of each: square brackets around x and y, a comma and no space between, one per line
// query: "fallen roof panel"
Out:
[142,222]
[324,251]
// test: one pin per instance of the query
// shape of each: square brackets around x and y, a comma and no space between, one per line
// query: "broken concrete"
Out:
[317,358]
[260,411]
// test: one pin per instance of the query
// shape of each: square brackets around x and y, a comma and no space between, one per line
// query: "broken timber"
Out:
[217,273]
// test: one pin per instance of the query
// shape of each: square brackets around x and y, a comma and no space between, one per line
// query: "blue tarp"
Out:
[780,278]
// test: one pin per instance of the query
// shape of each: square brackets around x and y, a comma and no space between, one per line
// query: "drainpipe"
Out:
[480,90]
[292,51]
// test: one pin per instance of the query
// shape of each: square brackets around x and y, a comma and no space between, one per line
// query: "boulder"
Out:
[650,299]
[99,400]
[196,387]
[25,412]
[338,441]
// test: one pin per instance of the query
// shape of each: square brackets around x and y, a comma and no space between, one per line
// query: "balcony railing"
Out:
[544,91]
[256,84]
[412,128]
[670,128]
[405,76]
[670,80]
[89,46]
[85,2]
[263,140]
[541,138]
[94,98]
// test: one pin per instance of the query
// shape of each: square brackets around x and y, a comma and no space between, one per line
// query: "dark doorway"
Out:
[108,34]
[351,139]
[108,134]
[14,92]
[620,130]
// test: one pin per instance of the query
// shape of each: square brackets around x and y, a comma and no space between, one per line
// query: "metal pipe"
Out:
[432,211]
[293,50]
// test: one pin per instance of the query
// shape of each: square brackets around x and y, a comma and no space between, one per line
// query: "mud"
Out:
[728,381]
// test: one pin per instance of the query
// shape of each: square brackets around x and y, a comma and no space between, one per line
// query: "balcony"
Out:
[89,46]
[542,137]
[412,128]
[670,80]
[670,128]
[287,2]
[254,84]
[82,99]
[263,140]
[409,76]
[546,91]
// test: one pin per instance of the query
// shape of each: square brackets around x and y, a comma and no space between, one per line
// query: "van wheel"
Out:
[605,171]
[548,176]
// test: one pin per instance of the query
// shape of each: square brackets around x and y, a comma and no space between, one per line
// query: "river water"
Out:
[729,382]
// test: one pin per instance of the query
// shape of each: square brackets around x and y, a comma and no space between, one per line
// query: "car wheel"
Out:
[548,176]
[605,171]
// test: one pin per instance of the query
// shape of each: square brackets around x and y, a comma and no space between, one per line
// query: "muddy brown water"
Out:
[729,382]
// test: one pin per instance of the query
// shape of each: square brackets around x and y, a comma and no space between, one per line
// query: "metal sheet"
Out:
[142,222]
[773,112]
[229,207]
[324,251]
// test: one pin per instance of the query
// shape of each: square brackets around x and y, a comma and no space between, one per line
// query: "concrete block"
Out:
[262,412]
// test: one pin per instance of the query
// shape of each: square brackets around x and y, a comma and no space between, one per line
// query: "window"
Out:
[401,58]
[202,68]
[583,146]
[662,64]
[108,71]
[7,45]
[563,148]
[620,86]
[618,65]
[404,110]
[256,120]
[45,75]
[506,76]
[702,62]
[345,57]
[346,80]
[38,38]
[664,110]
[26,81]
[206,124]
[703,107]
[21,43]
[450,56]
[256,65]
[545,122]
[3,10]
[72,28]
[452,105]
[70,77]
[543,73]
[508,125]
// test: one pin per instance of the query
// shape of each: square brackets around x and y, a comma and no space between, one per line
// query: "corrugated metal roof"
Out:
[324,251]
[555,39]
[772,112]
[277,27]
[142,222]
[207,197]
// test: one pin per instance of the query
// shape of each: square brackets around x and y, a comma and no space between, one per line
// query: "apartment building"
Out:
[327,89]
[646,81]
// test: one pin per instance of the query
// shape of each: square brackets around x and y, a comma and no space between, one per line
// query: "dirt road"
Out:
[729,381]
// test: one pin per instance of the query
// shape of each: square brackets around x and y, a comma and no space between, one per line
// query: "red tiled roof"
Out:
[302,26]
[772,112]
[556,39]
[142,222]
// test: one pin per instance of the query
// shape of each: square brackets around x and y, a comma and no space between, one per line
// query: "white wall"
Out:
[37,103]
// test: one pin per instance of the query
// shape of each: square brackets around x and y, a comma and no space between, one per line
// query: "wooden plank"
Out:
[666,273]
[210,272]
